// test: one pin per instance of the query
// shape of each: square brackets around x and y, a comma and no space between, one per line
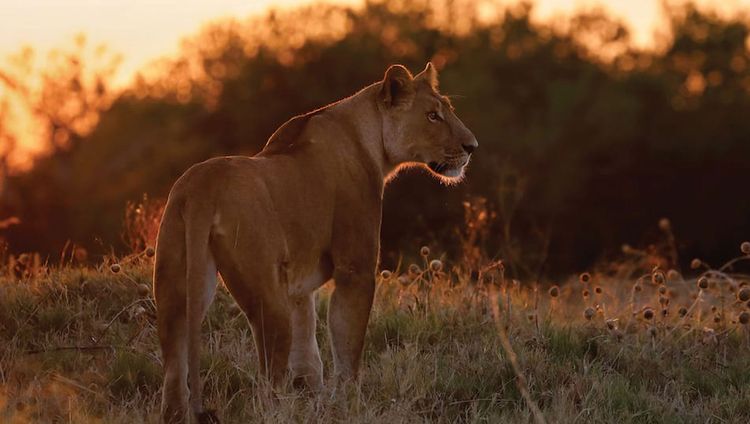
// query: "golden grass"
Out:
[78,345]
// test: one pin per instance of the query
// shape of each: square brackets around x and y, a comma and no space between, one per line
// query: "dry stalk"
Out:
[505,343]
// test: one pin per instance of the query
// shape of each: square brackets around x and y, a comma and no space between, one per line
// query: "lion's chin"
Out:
[447,174]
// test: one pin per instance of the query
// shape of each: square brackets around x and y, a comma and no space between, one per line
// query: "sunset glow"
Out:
[142,31]
[139,30]
[374,211]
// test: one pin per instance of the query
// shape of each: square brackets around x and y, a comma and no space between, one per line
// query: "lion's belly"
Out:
[304,283]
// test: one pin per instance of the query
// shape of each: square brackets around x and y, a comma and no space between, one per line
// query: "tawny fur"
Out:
[278,225]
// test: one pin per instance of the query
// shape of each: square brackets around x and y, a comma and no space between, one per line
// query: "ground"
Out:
[78,344]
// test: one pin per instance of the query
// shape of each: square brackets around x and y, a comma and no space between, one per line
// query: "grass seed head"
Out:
[137,311]
[648,313]
[554,291]
[584,278]
[589,313]
[673,275]
[652,331]
[744,317]
[637,288]
[611,323]
[695,263]
[598,290]
[385,274]
[403,280]
[414,269]
[585,293]
[665,224]
[683,311]
[144,290]
[436,265]
[662,289]
[658,277]
[80,254]
[709,336]
[745,247]
[150,252]
[703,283]
[744,294]
[424,251]
[115,268]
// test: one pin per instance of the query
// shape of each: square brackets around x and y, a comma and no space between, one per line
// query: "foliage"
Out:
[584,140]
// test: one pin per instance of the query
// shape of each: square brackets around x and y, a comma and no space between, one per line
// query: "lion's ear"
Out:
[398,87]
[429,75]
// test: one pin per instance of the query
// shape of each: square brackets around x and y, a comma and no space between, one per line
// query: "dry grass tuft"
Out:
[444,344]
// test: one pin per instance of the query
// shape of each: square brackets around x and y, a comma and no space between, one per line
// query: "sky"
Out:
[139,30]
[142,31]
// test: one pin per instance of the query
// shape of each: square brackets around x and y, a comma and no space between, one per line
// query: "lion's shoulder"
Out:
[288,136]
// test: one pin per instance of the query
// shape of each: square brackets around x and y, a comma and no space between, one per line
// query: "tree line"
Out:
[585,141]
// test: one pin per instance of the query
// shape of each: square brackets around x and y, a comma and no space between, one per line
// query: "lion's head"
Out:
[420,126]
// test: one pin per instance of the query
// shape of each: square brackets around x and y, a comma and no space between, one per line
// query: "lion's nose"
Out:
[469,148]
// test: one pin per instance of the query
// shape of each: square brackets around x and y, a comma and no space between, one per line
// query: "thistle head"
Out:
[436,265]
[554,291]
[648,313]
[589,313]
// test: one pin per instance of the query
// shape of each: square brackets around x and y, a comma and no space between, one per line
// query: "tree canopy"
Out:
[585,141]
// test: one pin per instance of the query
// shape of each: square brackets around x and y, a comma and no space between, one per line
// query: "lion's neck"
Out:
[360,111]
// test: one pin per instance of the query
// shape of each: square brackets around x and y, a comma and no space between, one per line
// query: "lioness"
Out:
[278,225]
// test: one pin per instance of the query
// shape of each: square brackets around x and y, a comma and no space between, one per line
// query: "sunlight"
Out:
[591,263]
[142,32]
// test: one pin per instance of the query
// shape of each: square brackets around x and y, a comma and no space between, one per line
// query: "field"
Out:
[78,345]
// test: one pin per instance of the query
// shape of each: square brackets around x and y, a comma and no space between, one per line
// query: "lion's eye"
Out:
[433,116]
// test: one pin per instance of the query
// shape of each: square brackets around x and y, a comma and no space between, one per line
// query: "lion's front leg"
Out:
[348,314]
[354,251]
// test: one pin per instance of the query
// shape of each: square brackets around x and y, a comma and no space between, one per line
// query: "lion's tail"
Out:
[201,286]
[184,284]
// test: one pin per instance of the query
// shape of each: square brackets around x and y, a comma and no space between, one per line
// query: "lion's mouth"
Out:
[437,168]
[446,168]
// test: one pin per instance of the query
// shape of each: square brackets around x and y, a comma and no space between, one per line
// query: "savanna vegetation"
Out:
[586,141]
[586,145]
[444,344]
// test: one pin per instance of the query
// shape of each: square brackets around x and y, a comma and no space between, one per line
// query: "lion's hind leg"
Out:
[250,252]
[271,325]
[257,291]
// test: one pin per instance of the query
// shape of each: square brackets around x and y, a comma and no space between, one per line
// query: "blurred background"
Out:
[595,120]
